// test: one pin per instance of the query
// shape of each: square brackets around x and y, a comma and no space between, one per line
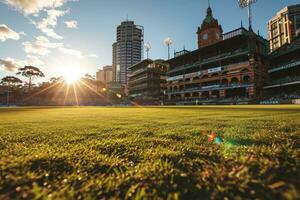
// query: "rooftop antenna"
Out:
[127,17]
[248,4]
[147,48]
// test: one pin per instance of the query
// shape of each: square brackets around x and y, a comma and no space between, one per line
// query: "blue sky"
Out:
[56,48]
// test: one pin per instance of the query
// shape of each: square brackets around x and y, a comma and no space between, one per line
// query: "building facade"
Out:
[147,81]
[210,30]
[105,75]
[284,72]
[128,50]
[226,68]
[282,28]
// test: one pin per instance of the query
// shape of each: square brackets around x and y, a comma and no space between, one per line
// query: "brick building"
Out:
[228,68]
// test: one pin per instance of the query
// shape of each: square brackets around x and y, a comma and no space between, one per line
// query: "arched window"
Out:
[214,75]
[205,94]
[187,79]
[224,82]
[245,70]
[234,81]
[204,76]
[246,79]
[196,78]
[215,94]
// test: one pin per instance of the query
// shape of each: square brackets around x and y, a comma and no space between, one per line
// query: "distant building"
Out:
[147,81]
[227,68]
[284,72]
[114,60]
[105,75]
[282,28]
[127,50]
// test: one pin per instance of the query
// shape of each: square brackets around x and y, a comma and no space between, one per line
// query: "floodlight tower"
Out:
[168,41]
[248,3]
[147,48]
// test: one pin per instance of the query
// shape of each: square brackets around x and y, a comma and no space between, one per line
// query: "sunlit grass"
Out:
[155,152]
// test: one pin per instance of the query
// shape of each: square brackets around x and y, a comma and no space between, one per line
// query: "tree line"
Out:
[21,91]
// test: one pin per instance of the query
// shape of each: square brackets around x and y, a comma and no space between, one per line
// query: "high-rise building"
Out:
[282,28]
[105,75]
[114,60]
[127,50]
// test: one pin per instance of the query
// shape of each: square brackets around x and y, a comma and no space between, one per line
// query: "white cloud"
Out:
[34,6]
[71,24]
[48,24]
[9,64]
[71,52]
[7,33]
[33,60]
[92,56]
[41,46]
[76,53]
[12,65]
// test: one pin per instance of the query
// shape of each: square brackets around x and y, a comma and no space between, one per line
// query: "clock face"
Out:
[217,35]
[205,36]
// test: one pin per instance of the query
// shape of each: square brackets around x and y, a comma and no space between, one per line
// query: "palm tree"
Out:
[10,81]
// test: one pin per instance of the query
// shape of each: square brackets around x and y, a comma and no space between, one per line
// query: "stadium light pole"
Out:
[168,42]
[147,48]
[248,4]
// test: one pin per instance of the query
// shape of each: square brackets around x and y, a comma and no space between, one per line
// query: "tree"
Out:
[10,81]
[30,72]
[59,79]
[89,79]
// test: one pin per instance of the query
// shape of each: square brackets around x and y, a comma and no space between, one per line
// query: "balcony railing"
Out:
[288,79]
[208,88]
[288,65]
[138,80]
[207,71]
[138,72]
[223,56]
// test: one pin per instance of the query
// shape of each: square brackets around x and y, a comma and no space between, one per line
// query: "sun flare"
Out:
[71,75]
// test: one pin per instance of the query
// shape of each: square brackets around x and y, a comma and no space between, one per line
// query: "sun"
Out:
[71,74]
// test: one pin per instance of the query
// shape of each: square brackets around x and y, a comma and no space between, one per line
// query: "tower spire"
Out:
[208,3]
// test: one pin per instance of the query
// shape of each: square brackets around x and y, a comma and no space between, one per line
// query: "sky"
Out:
[76,36]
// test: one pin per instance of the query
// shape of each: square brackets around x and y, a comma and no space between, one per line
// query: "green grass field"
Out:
[155,152]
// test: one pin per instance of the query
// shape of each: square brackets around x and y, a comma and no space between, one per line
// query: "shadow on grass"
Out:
[41,170]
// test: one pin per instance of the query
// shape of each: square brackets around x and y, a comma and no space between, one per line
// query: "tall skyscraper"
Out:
[282,28]
[127,50]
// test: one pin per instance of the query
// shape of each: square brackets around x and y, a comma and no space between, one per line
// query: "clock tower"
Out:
[210,31]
